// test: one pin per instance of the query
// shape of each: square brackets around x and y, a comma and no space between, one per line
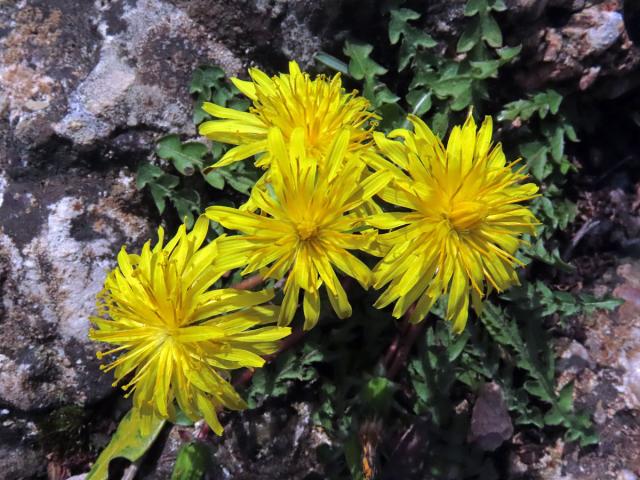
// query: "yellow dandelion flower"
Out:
[320,107]
[176,337]
[304,226]
[461,223]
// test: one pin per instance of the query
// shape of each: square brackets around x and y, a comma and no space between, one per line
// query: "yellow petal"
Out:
[208,411]
[231,114]
[289,303]
[239,153]
[247,88]
[311,307]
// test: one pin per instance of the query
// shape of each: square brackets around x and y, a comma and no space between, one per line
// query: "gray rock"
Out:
[254,438]
[625,474]
[490,421]
[599,28]
[591,44]
[85,89]
[20,455]
[141,72]
[57,244]
[19,463]
[575,358]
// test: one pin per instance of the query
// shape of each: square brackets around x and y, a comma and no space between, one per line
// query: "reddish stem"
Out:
[403,326]
[248,283]
[412,334]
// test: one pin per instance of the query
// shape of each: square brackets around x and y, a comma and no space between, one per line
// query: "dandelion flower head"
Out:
[304,226]
[319,107]
[460,224]
[176,338]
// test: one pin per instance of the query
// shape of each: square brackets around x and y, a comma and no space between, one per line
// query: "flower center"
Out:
[306,230]
[466,216]
[167,334]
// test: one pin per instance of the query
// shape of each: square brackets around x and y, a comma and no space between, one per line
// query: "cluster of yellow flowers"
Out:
[455,226]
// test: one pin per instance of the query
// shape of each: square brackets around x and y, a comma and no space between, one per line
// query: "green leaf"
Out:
[423,78]
[199,115]
[127,442]
[209,85]
[588,438]
[204,78]
[441,123]
[192,462]
[485,69]
[393,116]
[458,87]
[419,101]
[463,100]
[490,31]
[509,53]
[332,62]
[353,457]
[456,347]
[215,179]
[470,36]
[360,65]
[369,89]
[591,303]
[473,7]
[554,417]
[159,195]
[186,157]
[241,184]
[378,394]
[452,87]
[548,209]
[398,23]
[537,390]
[412,37]
[557,144]
[383,95]
[161,188]
[498,6]
[535,153]
[239,176]
[240,104]
[146,174]
[570,132]
[186,202]
[522,109]
[565,398]
[288,368]
[553,99]
[182,419]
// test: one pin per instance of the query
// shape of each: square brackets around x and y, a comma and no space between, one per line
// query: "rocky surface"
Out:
[256,438]
[252,440]
[605,367]
[491,424]
[51,277]
[86,87]
[579,42]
